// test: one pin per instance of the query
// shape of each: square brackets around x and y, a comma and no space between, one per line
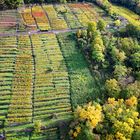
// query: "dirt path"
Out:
[42,32]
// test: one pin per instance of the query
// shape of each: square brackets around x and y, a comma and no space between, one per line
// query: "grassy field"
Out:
[82,83]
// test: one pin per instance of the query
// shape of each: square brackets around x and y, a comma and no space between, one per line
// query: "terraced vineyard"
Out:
[47,17]
[34,84]
[52,89]
[8,51]
[8,20]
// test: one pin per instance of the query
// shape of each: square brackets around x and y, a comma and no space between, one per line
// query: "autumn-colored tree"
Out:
[115,120]
[131,101]
[87,116]
[91,114]
[121,117]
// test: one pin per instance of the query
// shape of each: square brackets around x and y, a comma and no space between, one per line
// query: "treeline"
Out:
[11,4]
[104,4]
[131,4]
[5,4]
[43,1]
[116,61]
[131,31]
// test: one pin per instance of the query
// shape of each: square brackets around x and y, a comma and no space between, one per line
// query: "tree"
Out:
[101,25]
[114,120]
[79,33]
[37,126]
[137,75]
[128,45]
[120,71]
[98,55]
[97,48]
[132,101]
[63,1]
[132,90]
[85,134]
[98,40]
[86,119]
[117,23]
[92,27]
[132,30]
[113,88]
[121,119]
[13,3]
[118,56]
[136,135]
[90,114]
[135,60]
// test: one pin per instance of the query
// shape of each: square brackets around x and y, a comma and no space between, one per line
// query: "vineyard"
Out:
[44,72]
[37,74]
[47,17]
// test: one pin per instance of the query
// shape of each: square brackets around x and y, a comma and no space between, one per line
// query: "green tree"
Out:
[128,45]
[97,48]
[113,88]
[132,30]
[136,135]
[85,134]
[13,3]
[132,90]
[120,71]
[97,55]
[101,25]
[135,60]
[118,56]
[63,1]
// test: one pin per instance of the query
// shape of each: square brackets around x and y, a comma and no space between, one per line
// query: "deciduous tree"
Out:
[113,88]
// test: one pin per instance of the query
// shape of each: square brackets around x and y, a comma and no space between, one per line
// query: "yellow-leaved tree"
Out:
[87,116]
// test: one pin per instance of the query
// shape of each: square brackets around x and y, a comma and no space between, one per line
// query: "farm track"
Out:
[42,32]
